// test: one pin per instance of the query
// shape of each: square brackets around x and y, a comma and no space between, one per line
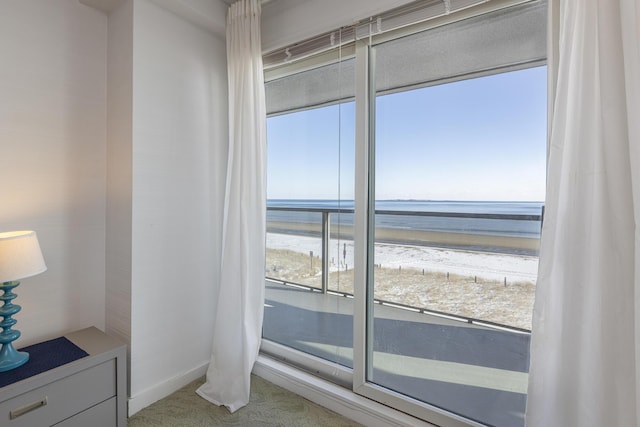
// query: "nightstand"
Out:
[89,391]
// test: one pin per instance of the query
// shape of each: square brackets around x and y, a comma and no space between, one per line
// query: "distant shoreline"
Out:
[464,241]
[276,200]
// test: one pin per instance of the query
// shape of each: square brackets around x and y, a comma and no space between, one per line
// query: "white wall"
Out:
[179,135]
[119,171]
[52,157]
[113,132]
[285,22]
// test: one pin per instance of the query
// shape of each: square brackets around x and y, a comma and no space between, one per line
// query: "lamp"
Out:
[20,257]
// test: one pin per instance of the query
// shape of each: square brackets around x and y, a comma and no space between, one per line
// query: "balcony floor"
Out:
[476,371]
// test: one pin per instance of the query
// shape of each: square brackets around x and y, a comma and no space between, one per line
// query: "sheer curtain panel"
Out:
[239,311]
[585,338]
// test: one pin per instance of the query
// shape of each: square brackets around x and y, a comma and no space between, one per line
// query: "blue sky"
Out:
[477,139]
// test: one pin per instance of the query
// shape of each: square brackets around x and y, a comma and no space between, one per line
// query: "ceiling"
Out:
[108,5]
[103,5]
[207,14]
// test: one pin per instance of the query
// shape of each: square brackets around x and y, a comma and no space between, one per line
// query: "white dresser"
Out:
[91,391]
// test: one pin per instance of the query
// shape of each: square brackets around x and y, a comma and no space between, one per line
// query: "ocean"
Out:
[417,217]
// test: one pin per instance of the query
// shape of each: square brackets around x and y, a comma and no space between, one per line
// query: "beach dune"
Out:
[492,286]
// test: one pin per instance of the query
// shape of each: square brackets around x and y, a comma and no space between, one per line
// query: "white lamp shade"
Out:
[20,256]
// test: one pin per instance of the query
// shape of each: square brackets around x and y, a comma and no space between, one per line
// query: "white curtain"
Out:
[240,305]
[585,349]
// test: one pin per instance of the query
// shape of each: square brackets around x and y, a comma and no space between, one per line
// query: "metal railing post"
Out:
[325,251]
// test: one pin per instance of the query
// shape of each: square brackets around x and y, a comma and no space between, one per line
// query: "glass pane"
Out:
[459,185]
[309,216]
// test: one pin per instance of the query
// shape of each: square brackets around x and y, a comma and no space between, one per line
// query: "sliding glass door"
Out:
[406,186]
[309,242]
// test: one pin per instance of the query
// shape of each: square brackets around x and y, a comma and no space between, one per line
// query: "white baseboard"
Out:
[338,399]
[165,388]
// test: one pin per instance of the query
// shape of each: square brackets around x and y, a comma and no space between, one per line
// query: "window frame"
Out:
[364,201]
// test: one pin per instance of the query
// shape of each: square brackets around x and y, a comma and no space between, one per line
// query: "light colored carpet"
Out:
[269,405]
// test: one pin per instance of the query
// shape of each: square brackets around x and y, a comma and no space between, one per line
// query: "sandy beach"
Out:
[496,287]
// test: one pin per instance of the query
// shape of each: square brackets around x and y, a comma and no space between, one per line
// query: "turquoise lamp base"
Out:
[9,357]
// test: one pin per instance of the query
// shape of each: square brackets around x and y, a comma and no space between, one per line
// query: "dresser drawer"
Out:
[61,399]
[101,415]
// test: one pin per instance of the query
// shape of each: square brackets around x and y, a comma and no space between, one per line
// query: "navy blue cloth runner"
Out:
[42,357]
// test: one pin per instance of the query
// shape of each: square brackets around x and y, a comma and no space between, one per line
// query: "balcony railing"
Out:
[324,232]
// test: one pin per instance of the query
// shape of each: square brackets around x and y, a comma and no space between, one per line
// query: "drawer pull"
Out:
[28,408]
